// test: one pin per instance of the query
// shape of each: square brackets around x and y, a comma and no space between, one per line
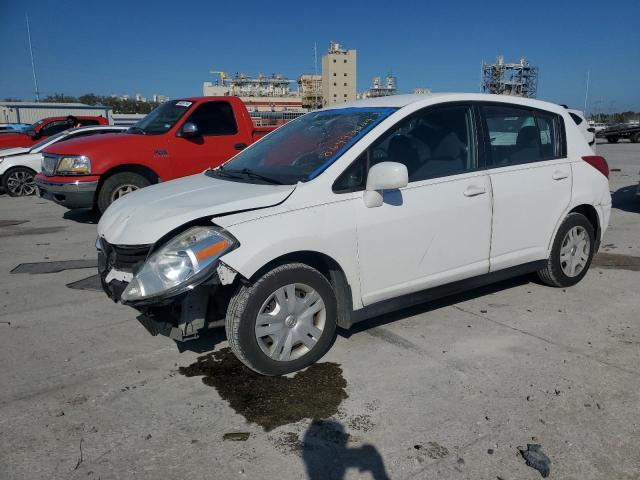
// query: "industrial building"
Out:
[31,112]
[519,79]
[338,75]
[260,94]
[379,88]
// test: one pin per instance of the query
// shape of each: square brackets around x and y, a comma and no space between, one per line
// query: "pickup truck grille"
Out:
[49,164]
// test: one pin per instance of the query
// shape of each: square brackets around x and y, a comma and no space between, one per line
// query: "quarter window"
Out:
[214,118]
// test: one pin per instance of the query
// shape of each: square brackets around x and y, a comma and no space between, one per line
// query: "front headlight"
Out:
[74,165]
[180,264]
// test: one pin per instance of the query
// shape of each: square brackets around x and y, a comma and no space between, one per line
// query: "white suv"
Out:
[354,210]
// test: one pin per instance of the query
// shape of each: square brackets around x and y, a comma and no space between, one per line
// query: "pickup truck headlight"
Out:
[181,264]
[74,165]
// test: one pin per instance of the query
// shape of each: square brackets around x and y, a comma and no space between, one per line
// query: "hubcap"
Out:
[122,190]
[290,322]
[574,252]
[21,183]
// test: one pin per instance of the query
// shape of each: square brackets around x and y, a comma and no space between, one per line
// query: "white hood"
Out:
[7,152]
[145,216]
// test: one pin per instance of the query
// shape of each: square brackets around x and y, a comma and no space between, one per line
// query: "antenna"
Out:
[33,63]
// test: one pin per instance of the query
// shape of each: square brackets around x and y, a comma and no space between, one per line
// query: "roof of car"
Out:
[399,101]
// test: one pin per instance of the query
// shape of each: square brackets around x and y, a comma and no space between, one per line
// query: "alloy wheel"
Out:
[21,183]
[123,190]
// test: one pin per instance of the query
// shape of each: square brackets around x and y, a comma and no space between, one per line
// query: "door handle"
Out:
[240,146]
[474,190]
[558,175]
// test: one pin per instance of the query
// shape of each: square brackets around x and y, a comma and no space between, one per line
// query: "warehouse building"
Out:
[31,112]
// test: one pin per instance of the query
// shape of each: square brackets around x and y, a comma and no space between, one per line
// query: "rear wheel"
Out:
[571,254]
[119,185]
[635,138]
[612,139]
[284,321]
[18,182]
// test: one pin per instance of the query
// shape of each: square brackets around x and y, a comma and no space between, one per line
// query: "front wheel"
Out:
[284,321]
[571,254]
[19,182]
[119,185]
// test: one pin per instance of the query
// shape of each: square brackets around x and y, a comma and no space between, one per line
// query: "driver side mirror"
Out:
[189,129]
[384,176]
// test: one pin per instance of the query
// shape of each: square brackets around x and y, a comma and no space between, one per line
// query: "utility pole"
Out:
[586,93]
[33,63]
[315,73]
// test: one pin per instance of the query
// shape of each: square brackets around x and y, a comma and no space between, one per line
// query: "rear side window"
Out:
[87,122]
[214,118]
[520,135]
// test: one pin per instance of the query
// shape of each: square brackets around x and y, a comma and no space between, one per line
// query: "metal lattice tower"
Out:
[518,79]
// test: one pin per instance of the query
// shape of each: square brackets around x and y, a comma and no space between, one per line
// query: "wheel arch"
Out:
[328,267]
[591,213]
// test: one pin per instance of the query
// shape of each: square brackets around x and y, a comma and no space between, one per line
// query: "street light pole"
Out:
[33,63]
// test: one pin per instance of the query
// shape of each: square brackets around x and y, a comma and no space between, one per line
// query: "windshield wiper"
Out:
[251,174]
[136,129]
[221,172]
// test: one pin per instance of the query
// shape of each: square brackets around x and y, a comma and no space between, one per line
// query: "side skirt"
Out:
[409,300]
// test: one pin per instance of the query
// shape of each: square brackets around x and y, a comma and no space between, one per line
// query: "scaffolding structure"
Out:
[310,90]
[517,79]
[380,88]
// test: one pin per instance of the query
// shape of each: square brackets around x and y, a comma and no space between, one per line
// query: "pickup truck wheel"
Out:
[612,139]
[18,182]
[117,186]
[284,321]
[635,138]
[571,254]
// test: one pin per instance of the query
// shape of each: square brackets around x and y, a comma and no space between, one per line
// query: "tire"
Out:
[635,138]
[18,182]
[558,272]
[612,139]
[261,296]
[116,186]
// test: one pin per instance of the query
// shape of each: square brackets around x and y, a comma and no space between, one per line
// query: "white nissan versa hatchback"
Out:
[354,210]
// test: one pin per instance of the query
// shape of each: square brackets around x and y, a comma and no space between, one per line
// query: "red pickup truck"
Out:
[44,128]
[179,138]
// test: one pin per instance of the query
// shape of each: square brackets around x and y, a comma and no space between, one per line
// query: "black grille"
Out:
[127,258]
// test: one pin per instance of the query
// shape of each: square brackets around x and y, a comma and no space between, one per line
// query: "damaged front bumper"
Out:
[182,317]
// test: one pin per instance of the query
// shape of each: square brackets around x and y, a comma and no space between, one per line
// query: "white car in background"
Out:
[354,210]
[19,165]
[587,130]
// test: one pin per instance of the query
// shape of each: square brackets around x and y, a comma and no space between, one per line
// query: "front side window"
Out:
[432,143]
[301,149]
[214,118]
[162,118]
[518,135]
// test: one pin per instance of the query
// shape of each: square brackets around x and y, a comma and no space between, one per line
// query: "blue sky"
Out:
[168,47]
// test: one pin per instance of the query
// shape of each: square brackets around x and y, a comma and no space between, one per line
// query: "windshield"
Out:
[303,148]
[161,119]
[52,139]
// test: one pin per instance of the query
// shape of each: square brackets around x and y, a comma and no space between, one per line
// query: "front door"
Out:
[438,228]
[531,182]
[218,140]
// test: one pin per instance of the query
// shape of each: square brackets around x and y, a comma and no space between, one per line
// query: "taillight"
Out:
[599,163]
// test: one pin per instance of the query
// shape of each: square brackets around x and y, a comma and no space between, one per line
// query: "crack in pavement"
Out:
[550,342]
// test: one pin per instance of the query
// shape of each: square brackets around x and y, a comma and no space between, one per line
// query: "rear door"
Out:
[219,139]
[530,178]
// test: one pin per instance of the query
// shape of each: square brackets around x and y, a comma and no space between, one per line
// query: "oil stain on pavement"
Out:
[270,402]
[31,231]
[616,261]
